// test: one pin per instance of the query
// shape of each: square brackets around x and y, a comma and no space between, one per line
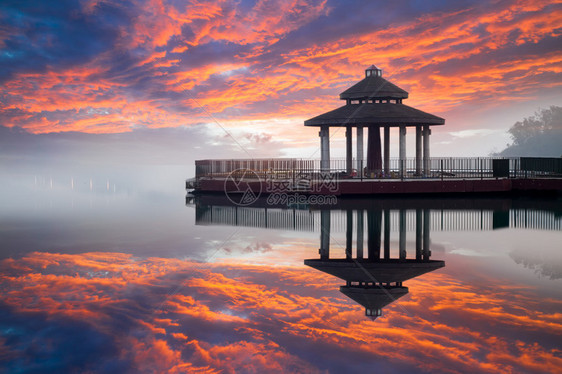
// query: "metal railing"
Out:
[224,167]
[439,167]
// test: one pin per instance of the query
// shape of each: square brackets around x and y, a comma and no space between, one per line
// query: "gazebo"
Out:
[373,103]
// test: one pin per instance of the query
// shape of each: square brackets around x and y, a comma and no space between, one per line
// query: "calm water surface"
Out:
[97,278]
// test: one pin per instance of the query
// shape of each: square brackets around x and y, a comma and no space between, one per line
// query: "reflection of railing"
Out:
[440,220]
[284,219]
[467,220]
[445,167]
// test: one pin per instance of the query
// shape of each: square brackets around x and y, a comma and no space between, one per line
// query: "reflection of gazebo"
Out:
[375,280]
[373,103]
[374,283]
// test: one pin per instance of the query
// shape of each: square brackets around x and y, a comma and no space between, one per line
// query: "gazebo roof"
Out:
[374,87]
[375,114]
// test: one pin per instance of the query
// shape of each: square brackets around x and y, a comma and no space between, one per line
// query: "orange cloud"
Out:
[445,60]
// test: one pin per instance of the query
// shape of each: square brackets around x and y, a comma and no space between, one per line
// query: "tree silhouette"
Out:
[538,135]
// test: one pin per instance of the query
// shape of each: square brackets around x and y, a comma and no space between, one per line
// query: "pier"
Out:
[523,175]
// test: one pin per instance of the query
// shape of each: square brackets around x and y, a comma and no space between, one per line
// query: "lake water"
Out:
[100,278]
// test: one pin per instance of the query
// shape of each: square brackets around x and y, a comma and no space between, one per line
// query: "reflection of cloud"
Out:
[256,247]
[543,263]
[171,315]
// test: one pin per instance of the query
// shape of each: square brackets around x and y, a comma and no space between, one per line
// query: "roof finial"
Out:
[373,71]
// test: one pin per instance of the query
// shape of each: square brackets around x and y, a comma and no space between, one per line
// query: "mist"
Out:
[147,160]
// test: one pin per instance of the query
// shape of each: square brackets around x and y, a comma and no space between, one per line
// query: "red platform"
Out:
[411,187]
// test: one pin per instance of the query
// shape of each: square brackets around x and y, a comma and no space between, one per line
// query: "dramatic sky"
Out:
[242,76]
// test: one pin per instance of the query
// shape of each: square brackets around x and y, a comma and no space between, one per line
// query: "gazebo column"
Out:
[426,156]
[348,150]
[418,150]
[386,150]
[359,149]
[324,148]
[374,160]
[402,150]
